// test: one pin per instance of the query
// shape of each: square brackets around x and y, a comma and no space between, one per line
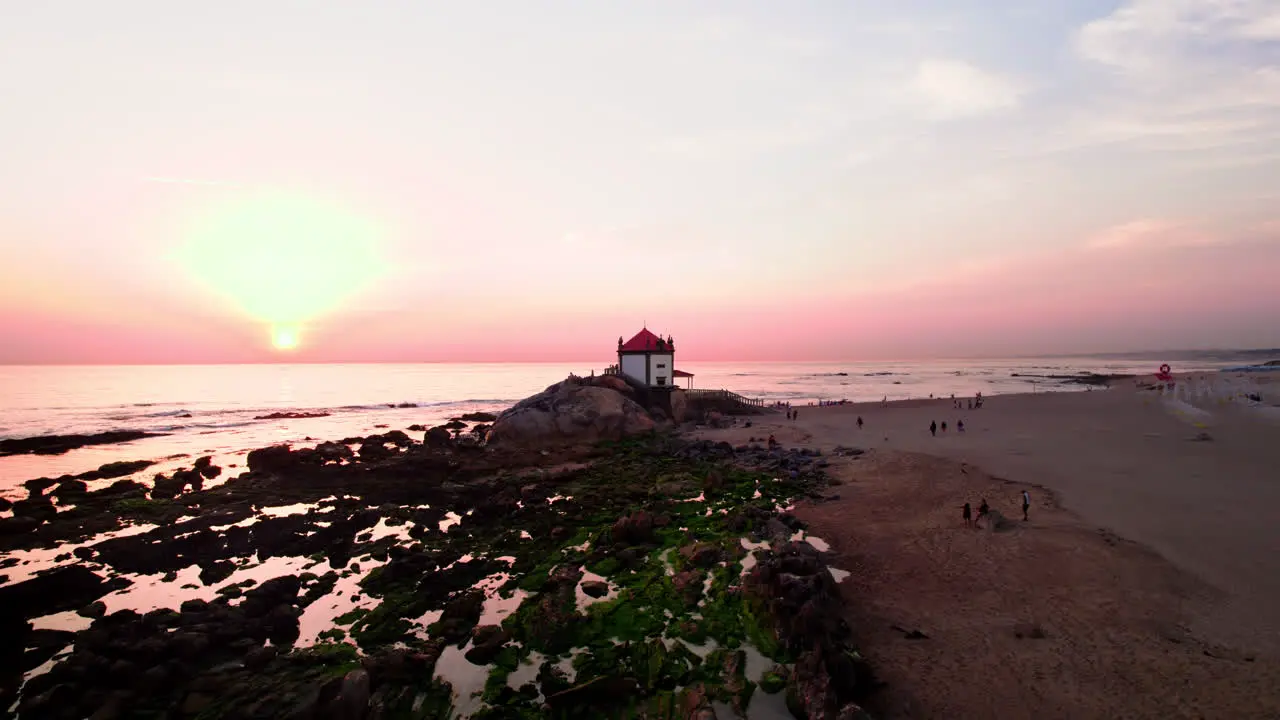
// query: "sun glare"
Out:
[282,258]
[284,338]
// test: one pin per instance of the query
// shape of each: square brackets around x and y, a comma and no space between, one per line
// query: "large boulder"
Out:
[570,412]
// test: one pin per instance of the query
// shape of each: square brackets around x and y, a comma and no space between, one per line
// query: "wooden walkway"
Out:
[726,395]
[709,394]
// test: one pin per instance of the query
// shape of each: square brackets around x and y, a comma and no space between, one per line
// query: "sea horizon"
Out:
[225,410]
[1172,353]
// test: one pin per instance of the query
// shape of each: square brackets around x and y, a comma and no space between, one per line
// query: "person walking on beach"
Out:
[1026,504]
[795,414]
[933,428]
[967,513]
[960,426]
[944,426]
[859,422]
[983,511]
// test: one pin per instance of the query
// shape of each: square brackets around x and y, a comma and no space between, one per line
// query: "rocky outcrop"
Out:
[792,586]
[571,412]
[58,444]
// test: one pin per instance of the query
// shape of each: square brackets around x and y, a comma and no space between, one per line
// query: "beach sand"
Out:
[1151,562]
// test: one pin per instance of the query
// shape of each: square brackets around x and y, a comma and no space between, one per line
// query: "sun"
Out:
[284,338]
[282,258]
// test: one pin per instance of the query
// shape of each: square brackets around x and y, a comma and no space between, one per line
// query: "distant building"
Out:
[649,360]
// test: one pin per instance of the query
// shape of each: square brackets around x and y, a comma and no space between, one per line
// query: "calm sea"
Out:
[213,410]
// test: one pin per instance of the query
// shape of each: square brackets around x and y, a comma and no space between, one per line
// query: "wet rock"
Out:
[71,491]
[595,588]
[272,459]
[375,450]
[37,507]
[39,485]
[702,554]
[18,525]
[633,529]
[259,657]
[460,616]
[70,587]
[483,417]
[333,452]
[291,415]
[5,504]
[58,444]
[695,703]
[791,585]
[437,437]
[352,701]
[215,572]
[93,610]
[487,642]
[689,585]
[116,469]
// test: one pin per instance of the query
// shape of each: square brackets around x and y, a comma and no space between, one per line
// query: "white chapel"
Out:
[650,360]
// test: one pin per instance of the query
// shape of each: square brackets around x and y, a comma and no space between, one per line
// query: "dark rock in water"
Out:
[18,525]
[70,587]
[595,588]
[292,415]
[39,485]
[215,572]
[487,641]
[416,428]
[454,425]
[5,504]
[58,444]
[376,450]
[68,491]
[36,507]
[116,469]
[170,487]
[460,616]
[334,452]
[93,610]
[275,458]
[483,417]
[437,437]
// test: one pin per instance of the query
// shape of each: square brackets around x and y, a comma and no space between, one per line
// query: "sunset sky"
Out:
[270,181]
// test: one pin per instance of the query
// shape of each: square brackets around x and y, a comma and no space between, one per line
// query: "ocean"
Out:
[219,410]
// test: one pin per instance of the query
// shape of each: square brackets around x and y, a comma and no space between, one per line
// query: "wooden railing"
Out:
[727,395]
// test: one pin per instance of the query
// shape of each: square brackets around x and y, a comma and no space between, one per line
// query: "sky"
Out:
[275,181]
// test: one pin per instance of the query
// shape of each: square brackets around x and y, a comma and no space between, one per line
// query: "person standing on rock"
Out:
[1026,504]
[933,428]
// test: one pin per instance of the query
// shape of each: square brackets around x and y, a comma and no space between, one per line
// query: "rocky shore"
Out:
[577,558]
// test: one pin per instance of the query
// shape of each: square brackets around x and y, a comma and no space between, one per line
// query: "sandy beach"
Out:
[1150,563]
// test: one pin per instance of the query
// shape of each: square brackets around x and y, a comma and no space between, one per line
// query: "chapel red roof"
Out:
[644,340]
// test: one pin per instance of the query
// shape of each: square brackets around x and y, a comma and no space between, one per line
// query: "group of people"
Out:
[933,427]
[984,510]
